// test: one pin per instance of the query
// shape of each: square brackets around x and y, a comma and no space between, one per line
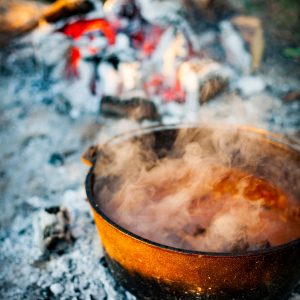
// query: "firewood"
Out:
[212,87]
[27,16]
[135,108]
[62,9]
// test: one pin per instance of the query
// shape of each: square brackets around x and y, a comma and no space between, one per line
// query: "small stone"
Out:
[57,289]
[62,9]
[56,159]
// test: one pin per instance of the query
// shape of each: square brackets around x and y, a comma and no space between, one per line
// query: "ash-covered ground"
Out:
[41,146]
[47,122]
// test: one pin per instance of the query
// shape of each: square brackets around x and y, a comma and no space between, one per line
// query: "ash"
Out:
[48,121]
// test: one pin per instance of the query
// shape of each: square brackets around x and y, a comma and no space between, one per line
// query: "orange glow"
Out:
[78,28]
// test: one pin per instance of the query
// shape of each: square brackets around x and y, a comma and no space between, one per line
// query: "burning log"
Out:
[62,9]
[21,18]
[18,17]
[135,108]
[54,228]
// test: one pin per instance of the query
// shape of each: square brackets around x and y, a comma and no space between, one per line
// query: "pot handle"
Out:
[89,156]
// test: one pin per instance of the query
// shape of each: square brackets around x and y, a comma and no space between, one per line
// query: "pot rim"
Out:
[277,139]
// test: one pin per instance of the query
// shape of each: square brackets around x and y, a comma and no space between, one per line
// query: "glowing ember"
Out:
[77,29]
[158,85]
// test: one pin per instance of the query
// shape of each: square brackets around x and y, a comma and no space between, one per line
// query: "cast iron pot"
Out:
[154,271]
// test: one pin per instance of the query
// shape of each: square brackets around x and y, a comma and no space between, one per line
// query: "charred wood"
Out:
[135,108]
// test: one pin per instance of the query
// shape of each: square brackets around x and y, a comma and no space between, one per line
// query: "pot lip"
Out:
[88,186]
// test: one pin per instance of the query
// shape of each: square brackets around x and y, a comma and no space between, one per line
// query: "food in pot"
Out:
[197,200]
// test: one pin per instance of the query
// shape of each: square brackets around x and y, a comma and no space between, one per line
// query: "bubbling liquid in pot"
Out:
[193,202]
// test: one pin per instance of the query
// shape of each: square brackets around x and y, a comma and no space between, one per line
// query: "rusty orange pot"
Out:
[154,271]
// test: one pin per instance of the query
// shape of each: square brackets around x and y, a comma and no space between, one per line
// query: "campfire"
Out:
[125,50]
[75,73]
[135,53]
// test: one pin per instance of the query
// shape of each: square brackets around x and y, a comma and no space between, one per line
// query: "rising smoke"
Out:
[206,189]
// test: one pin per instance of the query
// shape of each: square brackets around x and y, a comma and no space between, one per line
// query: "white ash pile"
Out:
[66,271]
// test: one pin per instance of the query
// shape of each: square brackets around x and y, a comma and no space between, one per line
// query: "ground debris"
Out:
[291,96]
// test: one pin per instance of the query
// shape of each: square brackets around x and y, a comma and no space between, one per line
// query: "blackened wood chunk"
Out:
[135,108]
[211,88]
[54,229]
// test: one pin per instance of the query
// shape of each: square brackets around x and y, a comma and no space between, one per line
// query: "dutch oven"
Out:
[155,271]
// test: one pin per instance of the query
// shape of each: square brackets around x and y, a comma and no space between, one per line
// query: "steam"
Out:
[214,190]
